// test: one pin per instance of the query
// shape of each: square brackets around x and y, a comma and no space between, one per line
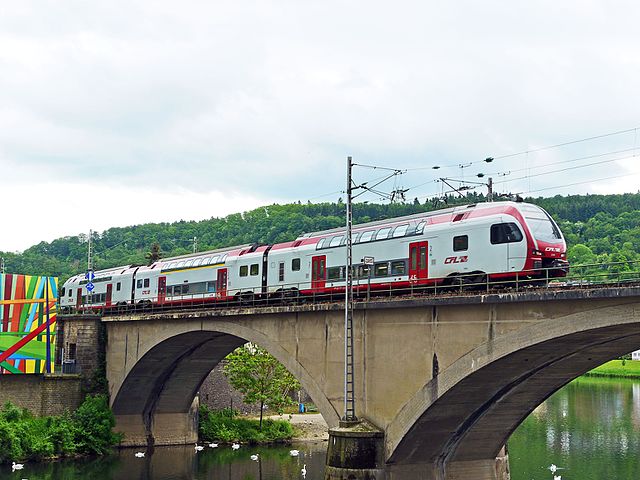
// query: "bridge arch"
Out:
[153,399]
[467,412]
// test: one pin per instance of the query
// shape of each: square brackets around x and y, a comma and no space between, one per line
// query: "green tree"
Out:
[260,378]
[155,254]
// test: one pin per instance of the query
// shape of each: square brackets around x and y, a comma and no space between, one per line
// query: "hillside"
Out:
[598,228]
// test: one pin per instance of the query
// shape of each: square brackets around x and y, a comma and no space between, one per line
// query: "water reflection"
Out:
[590,427]
[183,463]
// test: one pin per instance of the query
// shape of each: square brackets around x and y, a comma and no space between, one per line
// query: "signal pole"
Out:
[2,266]
[349,399]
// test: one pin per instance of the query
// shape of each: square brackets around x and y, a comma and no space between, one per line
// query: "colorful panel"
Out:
[28,308]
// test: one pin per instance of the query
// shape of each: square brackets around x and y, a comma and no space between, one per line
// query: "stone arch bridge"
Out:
[445,379]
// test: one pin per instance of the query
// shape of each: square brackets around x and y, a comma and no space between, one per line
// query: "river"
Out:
[590,428]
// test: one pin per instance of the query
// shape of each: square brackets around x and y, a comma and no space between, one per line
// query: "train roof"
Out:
[413,217]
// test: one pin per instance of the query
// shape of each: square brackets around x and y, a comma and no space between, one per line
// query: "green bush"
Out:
[88,431]
[95,421]
[226,426]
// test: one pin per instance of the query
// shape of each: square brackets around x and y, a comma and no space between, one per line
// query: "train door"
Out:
[418,262]
[221,284]
[162,289]
[318,272]
[79,299]
[109,294]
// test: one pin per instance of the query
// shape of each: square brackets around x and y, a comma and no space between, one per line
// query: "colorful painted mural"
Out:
[28,308]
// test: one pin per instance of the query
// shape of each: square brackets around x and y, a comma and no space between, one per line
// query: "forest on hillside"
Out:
[598,229]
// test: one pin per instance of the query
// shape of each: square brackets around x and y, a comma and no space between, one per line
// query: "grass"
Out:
[226,426]
[617,368]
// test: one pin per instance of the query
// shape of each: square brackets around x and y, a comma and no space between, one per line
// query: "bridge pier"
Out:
[161,429]
[355,452]
[489,469]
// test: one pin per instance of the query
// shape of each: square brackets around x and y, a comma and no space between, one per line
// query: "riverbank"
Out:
[307,427]
[617,369]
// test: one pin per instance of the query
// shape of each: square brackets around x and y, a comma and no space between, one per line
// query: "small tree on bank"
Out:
[260,378]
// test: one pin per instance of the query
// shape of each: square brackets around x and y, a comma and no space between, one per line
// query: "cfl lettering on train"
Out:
[461,259]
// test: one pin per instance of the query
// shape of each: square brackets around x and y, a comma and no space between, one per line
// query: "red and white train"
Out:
[462,245]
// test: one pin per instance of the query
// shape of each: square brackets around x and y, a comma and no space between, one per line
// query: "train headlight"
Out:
[536,252]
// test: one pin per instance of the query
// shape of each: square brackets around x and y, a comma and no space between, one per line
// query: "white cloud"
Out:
[264,100]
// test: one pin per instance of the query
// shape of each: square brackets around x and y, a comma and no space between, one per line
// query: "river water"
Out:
[590,428]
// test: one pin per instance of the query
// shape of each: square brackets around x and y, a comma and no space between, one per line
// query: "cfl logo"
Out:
[462,259]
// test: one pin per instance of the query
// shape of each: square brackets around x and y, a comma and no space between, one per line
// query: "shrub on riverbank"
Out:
[86,431]
[226,426]
[617,368]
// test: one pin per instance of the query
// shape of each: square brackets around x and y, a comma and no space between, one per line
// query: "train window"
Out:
[211,287]
[460,243]
[367,236]
[320,243]
[295,264]
[381,269]
[146,282]
[118,285]
[363,271]
[400,231]
[222,258]
[188,263]
[281,272]
[414,258]
[420,227]
[139,283]
[399,267]
[197,262]
[63,292]
[255,268]
[321,271]
[505,233]
[70,293]
[213,260]
[177,289]
[180,264]
[335,241]
[383,233]
[185,288]
[335,273]
[244,270]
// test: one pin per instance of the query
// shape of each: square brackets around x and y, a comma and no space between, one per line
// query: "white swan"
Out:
[213,445]
[139,454]
[254,457]
[304,471]
[235,446]
[16,466]
[199,448]
[294,453]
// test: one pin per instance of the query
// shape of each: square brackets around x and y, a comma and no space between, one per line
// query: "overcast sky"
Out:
[126,112]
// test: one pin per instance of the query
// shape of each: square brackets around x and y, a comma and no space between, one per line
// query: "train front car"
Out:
[548,249]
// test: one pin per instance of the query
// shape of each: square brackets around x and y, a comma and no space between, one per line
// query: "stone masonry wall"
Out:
[81,343]
[216,393]
[42,394]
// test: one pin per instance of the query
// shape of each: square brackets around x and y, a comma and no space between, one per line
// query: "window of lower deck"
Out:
[335,273]
[381,269]
[460,243]
[399,267]
[255,268]
[244,270]
[295,264]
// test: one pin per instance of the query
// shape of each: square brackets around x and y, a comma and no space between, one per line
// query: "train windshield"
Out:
[541,224]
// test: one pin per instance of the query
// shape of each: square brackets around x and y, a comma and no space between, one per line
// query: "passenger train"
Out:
[486,242]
